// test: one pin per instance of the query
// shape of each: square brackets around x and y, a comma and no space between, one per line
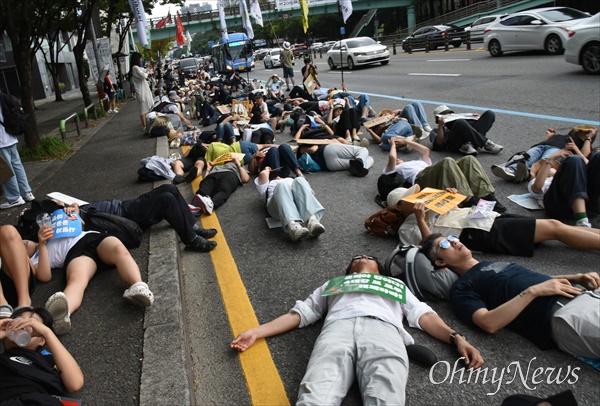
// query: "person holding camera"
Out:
[310,69]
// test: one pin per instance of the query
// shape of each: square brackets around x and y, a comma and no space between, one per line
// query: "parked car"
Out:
[300,49]
[190,67]
[260,53]
[326,46]
[272,58]
[478,26]
[583,46]
[538,29]
[315,46]
[436,35]
[357,51]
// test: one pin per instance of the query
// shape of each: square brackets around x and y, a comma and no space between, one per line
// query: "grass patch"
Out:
[48,149]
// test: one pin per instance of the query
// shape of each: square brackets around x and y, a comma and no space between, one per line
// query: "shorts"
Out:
[288,72]
[87,246]
[9,289]
[510,234]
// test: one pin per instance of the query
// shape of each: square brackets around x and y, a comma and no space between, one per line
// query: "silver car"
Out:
[356,52]
[539,29]
[272,58]
[583,46]
[478,26]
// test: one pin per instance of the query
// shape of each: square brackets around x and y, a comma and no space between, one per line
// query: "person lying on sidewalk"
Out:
[291,201]
[406,122]
[466,175]
[163,203]
[17,276]
[49,371]
[81,256]
[339,157]
[550,311]
[376,356]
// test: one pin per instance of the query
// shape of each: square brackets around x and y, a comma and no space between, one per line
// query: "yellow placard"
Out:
[310,84]
[228,157]
[440,201]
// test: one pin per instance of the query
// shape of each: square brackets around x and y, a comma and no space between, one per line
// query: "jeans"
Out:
[463,131]
[225,133]
[537,153]
[282,157]
[415,114]
[17,185]
[574,179]
[363,100]
[294,204]
[400,128]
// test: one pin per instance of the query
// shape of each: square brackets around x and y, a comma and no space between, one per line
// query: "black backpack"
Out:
[15,119]
[128,231]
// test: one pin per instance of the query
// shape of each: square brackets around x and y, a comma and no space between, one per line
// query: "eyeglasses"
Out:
[447,242]
[364,256]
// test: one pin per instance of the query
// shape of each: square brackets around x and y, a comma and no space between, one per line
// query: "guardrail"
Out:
[102,102]
[63,125]
[86,114]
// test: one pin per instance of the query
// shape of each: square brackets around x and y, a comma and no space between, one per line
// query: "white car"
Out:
[272,58]
[583,46]
[478,26]
[539,29]
[357,51]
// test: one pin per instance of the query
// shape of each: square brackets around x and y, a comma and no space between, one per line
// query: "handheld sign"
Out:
[66,225]
[367,283]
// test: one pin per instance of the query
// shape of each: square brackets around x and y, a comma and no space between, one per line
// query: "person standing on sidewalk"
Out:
[138,76]
[16,190]
[287,62]
[109,89]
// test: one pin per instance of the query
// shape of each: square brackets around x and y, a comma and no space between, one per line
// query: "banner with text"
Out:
[367,283]
[437,200]
[295,4]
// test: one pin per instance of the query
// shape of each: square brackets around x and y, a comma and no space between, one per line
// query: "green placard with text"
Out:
[367,283]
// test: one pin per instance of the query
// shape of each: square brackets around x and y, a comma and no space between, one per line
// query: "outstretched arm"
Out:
[435,327]
[280,325]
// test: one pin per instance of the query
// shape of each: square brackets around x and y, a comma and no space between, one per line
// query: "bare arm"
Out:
[280,325]
[42,270]
[419,210]
[299,132]
[392,156]
[263,176]
[436,327]
[546,171]
[243,174]
[492,321]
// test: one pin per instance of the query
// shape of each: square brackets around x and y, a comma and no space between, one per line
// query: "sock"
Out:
[580,216]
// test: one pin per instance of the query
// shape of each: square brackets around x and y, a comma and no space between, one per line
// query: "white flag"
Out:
[137,8]
[188,40]
[221,9]
[256,13]
[346,7]
[246,19]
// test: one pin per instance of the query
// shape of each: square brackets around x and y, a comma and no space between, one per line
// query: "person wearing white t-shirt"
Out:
[363,336]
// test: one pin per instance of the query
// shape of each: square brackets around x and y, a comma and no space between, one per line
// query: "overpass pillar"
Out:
[411,20]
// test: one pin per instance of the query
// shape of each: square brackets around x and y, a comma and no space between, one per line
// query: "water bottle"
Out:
[21,337]
[43,219]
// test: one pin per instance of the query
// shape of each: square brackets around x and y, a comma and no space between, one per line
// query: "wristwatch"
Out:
[453,336]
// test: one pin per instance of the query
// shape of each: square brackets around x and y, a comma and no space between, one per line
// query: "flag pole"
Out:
[342,30]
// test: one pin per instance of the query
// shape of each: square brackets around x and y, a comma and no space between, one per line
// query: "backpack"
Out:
[128,231]
[388,182]
[162,107]
[410,265]
[15,119]
[308,164]
[385,222]
[147,175]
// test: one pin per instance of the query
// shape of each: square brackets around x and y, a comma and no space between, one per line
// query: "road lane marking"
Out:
[264,383]
[434,74]
[479,108]
[446,60]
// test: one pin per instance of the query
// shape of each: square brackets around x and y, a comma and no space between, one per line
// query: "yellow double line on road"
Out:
[262,378]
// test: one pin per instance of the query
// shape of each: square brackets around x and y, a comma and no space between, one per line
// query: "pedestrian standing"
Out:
[287,61]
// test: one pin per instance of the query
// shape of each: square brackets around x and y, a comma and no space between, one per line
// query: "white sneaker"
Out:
[205,203]
[58,307]
[115,111]
[315,228]
[467,149]
[28,197]
[9,205]
[583,223]
[349,139]
[109,111]
[503,172]
[296,231]
[492,147]
[427,128]
[364,143]
[139,294]
[355,138]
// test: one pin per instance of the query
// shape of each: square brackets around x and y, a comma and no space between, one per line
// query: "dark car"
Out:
[435,34]
[301,49]
[190,67]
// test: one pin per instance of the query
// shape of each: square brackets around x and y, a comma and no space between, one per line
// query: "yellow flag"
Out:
[304,13]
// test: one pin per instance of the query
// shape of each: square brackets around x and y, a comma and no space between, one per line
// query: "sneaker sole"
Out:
[139,299]
[303,234]
[58,307]
[499,172]
[521,173]
[316,231]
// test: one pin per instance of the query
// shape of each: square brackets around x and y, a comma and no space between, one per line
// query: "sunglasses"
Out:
[364,256]
[447,242]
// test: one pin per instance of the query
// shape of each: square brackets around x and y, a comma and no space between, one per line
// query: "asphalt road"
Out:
[533,91]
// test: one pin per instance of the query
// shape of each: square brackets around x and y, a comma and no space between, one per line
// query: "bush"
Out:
[48,149]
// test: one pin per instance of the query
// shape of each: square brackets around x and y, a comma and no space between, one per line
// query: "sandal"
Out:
[6,311]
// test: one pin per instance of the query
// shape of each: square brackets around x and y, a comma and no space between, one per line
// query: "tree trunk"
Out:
[85,92]
[23,58]
[54,71]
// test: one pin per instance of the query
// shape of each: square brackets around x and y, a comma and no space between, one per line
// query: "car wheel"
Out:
[350,64]
[331,64]
[265,65]
[385,62]
[432,46]
[494,48]
[456,44]
[553,45]
[590,58]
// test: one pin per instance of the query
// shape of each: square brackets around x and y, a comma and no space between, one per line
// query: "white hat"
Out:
[286,46]
[398,194]
[339,103]
[441,110]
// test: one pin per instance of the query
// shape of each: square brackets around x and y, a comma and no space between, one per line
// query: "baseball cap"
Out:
[173,95]
[441,110]
[398,194]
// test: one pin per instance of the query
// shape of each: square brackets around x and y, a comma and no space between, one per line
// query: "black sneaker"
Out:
[201,244]
[206,232]
[357,168]
[178,179]
[192,174]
